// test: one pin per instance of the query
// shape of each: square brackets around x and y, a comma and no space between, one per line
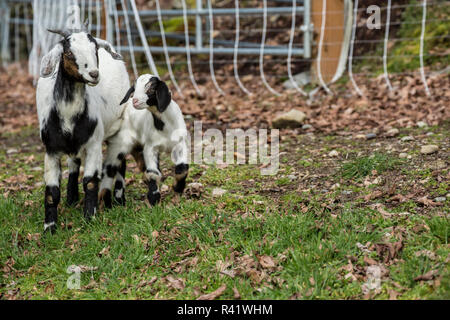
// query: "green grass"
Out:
[404,54]
[363,166]
[310,235]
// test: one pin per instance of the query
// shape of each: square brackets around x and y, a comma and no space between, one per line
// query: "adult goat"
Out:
[82,81]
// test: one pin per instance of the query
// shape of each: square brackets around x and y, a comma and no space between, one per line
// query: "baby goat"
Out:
[78,99]
[152,123]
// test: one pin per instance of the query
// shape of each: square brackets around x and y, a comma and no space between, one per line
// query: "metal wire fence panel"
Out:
[201,40]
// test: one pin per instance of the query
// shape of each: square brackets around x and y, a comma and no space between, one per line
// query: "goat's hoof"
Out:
[120,201]
[105,195]
[51,229]
[153,197]
[119,197]
[89,213]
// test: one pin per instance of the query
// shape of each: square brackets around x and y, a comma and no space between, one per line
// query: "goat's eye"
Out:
[69,54]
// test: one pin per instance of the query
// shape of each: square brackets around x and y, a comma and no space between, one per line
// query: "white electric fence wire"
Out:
[422,35]
[319,54]
[32,59]
[235,53]
[98,18]
[90,16]
[386,38]
[129,39]
[291,40]
[117,26]
[83,9]
[166,53]
[148,54]
[261,53]
[350,56]
[188,50]
[211,49]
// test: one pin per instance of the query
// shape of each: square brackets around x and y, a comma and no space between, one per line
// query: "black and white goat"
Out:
[152,123]
[82,81]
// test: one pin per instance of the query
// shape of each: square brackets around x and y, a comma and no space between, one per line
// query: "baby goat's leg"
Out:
[72,185]
[119,186]
[114,167]
[52,177]
[152,174]
[179,158]
[92,169]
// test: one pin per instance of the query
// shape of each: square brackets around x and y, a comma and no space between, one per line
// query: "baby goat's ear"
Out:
[50,61]
[128,94]
[163,96]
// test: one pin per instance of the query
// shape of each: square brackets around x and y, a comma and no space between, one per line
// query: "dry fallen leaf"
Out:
[427,276]
[267,262]
[175,283]
[215,294]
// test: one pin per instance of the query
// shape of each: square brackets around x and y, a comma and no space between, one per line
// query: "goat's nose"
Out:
[94,74]
[135,101]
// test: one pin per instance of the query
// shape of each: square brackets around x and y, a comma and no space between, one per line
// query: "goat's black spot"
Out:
[159,124]
[57,140]
[181,168]
[111,171]
[121,156]
[118,185]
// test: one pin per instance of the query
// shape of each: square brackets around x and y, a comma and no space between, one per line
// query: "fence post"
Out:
[198,26]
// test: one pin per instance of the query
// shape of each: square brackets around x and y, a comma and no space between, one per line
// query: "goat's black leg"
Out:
[52,196]
[92,169]
[72,184]
[152,174]
[119,186]
[180,159]
[181,172]
[153,194]
[90,186]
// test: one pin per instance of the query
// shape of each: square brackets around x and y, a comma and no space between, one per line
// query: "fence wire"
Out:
[127,27]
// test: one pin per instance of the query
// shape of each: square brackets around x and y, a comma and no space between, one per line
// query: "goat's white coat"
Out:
[103,103]
[138,129]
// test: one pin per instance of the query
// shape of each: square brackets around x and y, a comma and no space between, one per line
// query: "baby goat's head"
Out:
[77,53]
[149,92]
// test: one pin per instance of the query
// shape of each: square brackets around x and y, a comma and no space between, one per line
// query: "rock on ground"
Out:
[429,149]
[293,118]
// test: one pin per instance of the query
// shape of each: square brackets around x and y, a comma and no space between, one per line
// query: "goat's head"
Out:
[149,92]
[78,52]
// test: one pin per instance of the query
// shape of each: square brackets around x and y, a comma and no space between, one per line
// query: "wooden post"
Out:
[333,40]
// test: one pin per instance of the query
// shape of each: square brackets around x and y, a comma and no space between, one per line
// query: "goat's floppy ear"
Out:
[163,96]
[127,96]
[50,61]
[107,46]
